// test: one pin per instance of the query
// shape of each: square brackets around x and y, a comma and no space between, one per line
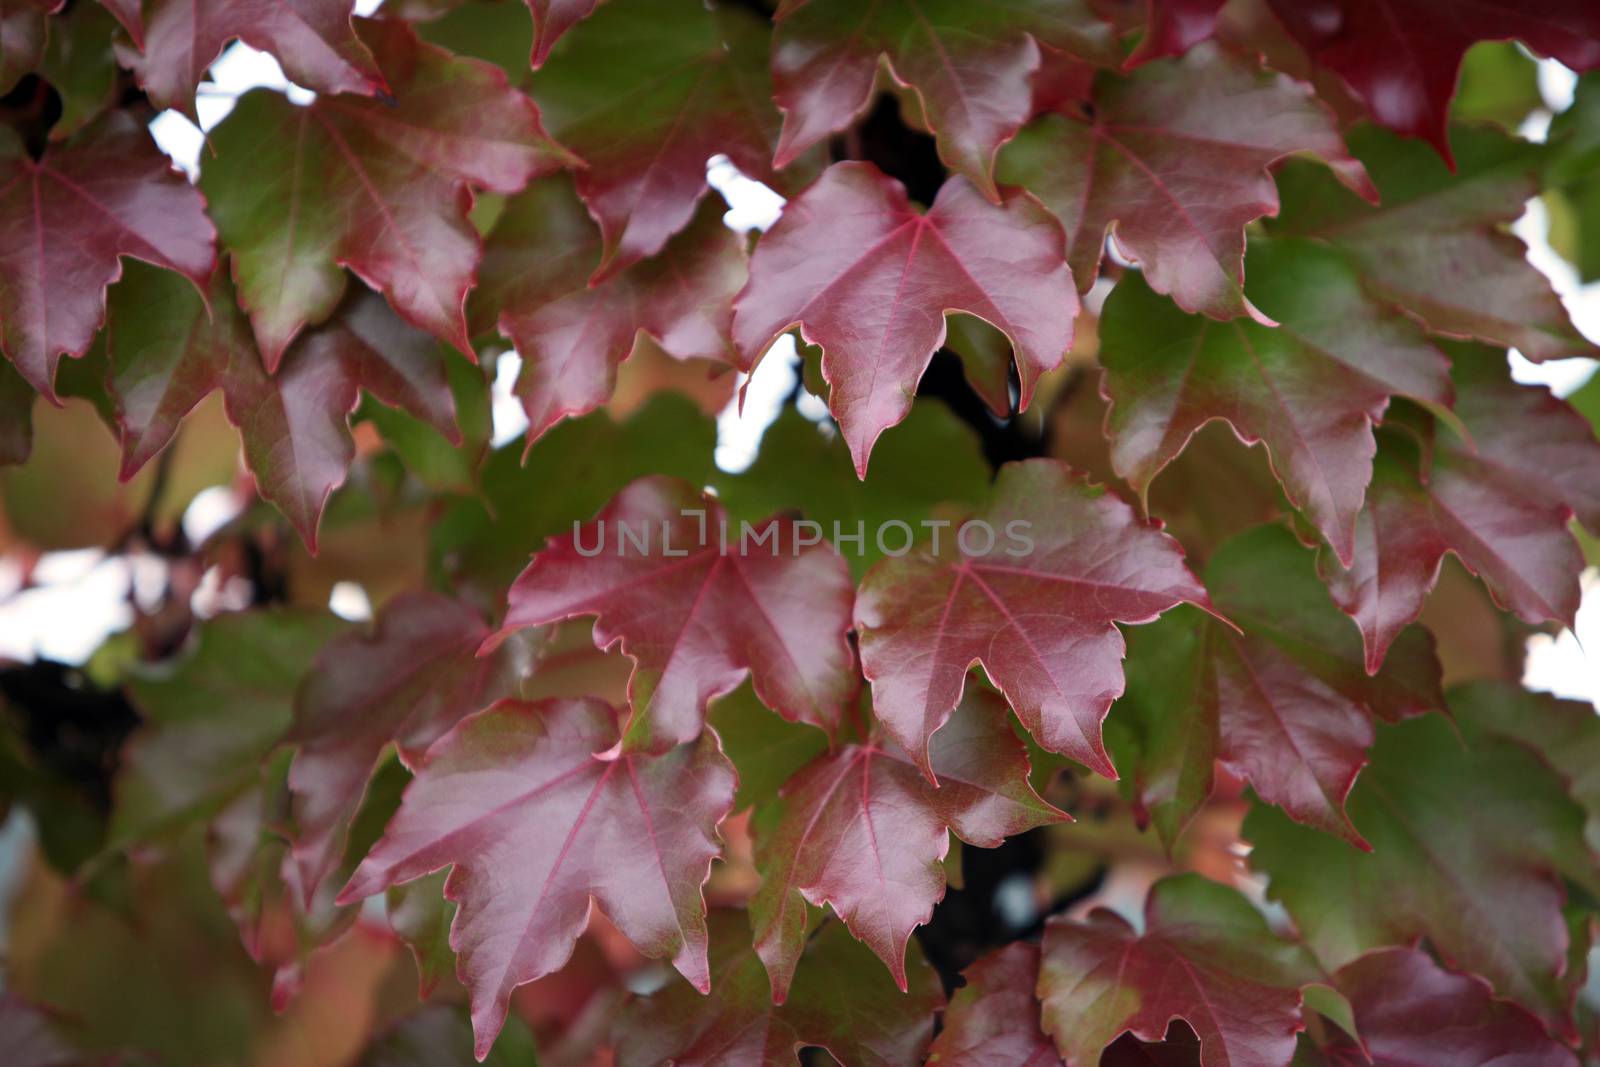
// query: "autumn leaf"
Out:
[65,221]
[993,1020]
[699,603]
[313,39]
[869,279]
[1467,843]
[571,336]
[299,193]
[171,349]
[1402,57]
[1206,956]
[1030,588]
[1437,244]
[1309,390]
[1409,1010]
[532,820]
[862,830]
[23,32]
[670,84]
[841,1002]
[1172,27]
[406,683]
[1283,702]
[969,65]
[551,19]
[1500,502]
[1172,160]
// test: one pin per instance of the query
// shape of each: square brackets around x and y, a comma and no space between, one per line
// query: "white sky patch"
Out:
[739,433]
[1568,664]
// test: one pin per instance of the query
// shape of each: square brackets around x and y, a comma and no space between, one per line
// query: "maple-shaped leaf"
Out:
[65,221]
[1173,159]
[406,683]
[645,93]
[169,350]
[299,193]
[571,336]
[869,279]
[212,715]
[993,1020]
[862,830]
[1409,1010]
[537,825]
[1029,587]
[1309,389]
[1284,701]
[1402,58]
[698,601]
[1437,244]
[1501,502]
[551,19]
[1206,956]
[970,66]
[841,1001]
[1469,849]
[314,40]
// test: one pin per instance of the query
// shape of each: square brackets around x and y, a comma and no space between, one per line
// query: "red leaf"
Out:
[1035,608]
[1173,27]
[571,336]
[1501,503]
[993,1020]
[129,14]
[1173,161]
[682,83]
[704,602]
[870,279]
[861,829]
[1206,957]
[969,66]
[406,683]
[842,1001]
[313,39]
[1402,57]
[65,220]
[169,350]
[1309,389]
[300,192]
[1409,1010]
[537,826]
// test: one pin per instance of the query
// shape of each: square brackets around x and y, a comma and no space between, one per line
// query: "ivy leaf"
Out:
[551,19]
[670,84]
[437,1035]
[840,1002]
[1053,562]
[170,349]
[1174,161]
[23,32]
[993,1020]
[65,221]
[406,682]
[313,39]
[1409,1010]
[869,279]
[1500,502]
[572,336]
[1206,956]
[767,750]
[970,66]
[532,819]
[1484,890]
[1172,27]
[420,916]
[1283,702]
[699,605]
[298,193]
[861,830]
[1437,245]
[1402,57]
[1310,390]
[212,715]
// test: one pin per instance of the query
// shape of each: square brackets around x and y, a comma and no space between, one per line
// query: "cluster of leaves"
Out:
[1267,214]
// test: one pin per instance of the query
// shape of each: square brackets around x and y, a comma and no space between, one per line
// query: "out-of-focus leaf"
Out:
[766,749]
[440,1035]
[993,1020]
[81,65]
[1499,84]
